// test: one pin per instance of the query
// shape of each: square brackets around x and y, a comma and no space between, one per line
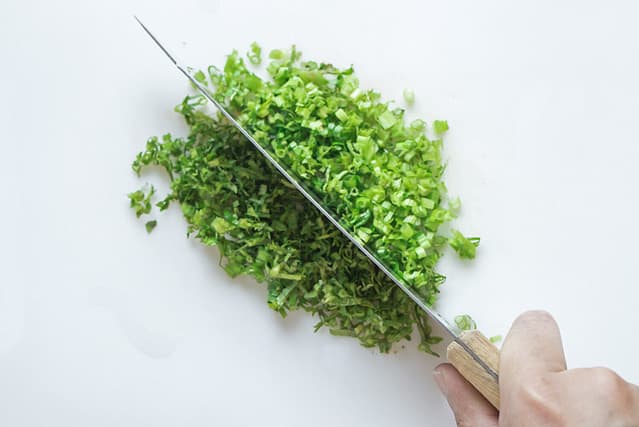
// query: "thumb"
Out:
[470,407]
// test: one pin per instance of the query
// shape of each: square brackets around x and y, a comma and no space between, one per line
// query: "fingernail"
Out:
[439,378]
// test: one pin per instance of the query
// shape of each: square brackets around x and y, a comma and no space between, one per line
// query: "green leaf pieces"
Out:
[466,247]
[387,119]
[495,339]
[440,126]
[200,76]
[140,201]
[465,323]
[150,225]
[381,176]
[409,96]
[254,54]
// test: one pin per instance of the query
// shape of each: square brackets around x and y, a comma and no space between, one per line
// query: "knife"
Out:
[474,356]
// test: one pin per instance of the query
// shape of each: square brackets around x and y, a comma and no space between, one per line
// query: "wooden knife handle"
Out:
[473,371]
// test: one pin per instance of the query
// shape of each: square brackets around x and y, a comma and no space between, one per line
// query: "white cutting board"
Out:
[103,325]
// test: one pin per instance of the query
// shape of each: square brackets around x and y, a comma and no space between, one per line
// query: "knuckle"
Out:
[617,394]
[610,385]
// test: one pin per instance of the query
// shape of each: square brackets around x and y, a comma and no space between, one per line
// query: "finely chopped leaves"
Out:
[381,176]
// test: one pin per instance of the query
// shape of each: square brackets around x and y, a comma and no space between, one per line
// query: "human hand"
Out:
[536,390]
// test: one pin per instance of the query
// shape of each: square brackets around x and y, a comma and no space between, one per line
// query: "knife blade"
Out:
[464,343]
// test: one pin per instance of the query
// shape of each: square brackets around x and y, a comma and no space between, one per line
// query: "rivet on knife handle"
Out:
[470,369]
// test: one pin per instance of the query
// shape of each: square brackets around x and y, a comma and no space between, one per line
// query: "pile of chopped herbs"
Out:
[380,175]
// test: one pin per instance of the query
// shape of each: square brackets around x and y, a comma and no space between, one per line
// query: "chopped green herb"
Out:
[381,176]
[387,119]
[150,225]
[440,126]
[276,54]
[200,76]
[466,247]
[254,55]
[495,339]
[141,201]
[409,96]
[164,204]
[465,323]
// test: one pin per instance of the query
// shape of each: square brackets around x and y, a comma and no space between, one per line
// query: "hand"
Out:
[536,389]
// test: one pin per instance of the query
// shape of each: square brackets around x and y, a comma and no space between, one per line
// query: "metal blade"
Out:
[329,215]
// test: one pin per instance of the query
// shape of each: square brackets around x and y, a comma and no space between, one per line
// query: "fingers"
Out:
[470,407]
[533,347]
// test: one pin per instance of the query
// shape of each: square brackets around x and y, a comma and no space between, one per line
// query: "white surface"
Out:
[103,325]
